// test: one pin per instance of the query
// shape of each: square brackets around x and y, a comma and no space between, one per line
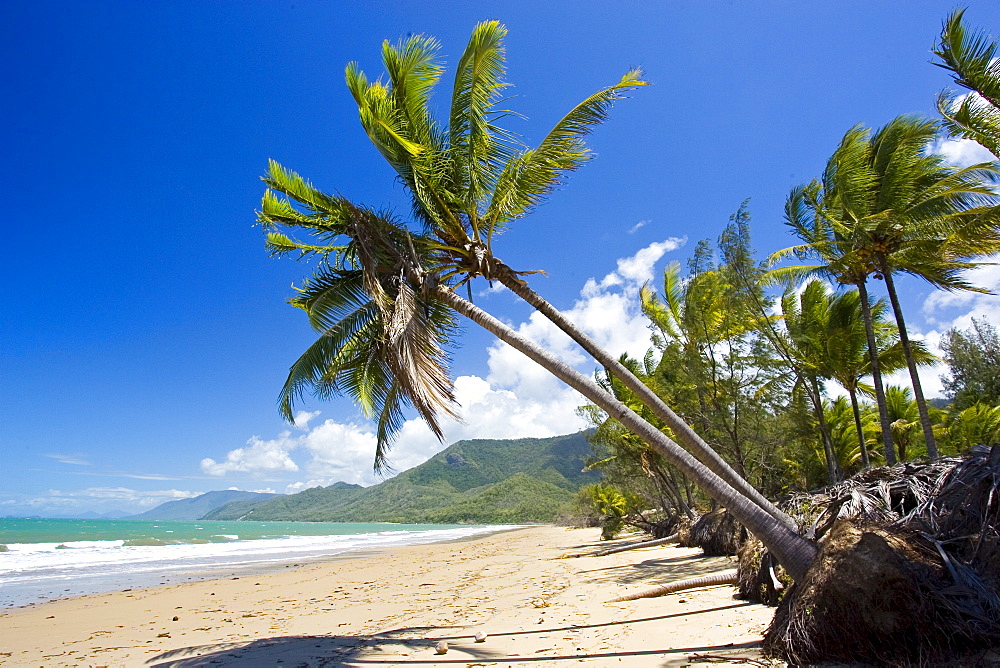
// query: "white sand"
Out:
[392,609]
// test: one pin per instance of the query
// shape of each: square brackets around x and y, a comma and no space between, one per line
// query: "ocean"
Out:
[45,559]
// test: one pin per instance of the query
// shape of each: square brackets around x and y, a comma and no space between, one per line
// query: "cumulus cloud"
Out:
[302,419]
[259,457]
[946,310]
[962,152]
[957,309]
[516,399]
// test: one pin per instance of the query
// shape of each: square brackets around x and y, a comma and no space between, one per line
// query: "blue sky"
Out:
[143,330]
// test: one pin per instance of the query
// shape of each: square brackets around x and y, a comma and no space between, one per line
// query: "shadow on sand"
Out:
[413,645]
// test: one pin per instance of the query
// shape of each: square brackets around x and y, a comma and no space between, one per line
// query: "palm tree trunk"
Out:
[918,393]
[792,551]
[833,471]
[701,450]
[865,460]
[883,411]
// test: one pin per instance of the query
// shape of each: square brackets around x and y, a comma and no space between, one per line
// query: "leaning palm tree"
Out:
[374,279]
[971,57]
[469,179]
[886,205]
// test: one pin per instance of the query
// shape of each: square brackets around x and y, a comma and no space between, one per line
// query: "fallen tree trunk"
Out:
[673,538]
[723,578]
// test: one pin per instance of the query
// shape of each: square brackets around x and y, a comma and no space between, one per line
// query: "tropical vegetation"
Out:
[756,384]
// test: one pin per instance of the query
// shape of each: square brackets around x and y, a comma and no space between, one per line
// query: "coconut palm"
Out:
[885,206]
[382,266]
[847,440]
[905,418]
[972,60]
[847,361]
[470,178]
[805,315]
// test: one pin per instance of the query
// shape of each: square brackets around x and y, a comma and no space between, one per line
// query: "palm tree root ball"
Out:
[924,590]
[717,533]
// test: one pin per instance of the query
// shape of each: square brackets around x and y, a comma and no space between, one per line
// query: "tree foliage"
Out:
[973,358]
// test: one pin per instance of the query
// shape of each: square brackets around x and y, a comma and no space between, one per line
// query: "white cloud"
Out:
[260,457]
[517,398]
[86,498]
[638,226]
[638,269]
[492,288]
[297,487]
[340,451]
[302,419]
[946,310]
[962,152]
[75,459]
[957,309]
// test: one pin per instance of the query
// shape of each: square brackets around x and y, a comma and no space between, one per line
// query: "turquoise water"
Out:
[43,559]
[40,530]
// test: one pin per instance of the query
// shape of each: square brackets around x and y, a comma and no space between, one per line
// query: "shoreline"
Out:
[393,607]
[158,568]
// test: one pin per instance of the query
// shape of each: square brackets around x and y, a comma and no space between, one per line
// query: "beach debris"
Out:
[673,538]
[480,636]
[908,571]
[176,618]
[717,533]
[540,603]
[441,647]
[722,578]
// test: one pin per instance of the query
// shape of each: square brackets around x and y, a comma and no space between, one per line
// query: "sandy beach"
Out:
[395,608]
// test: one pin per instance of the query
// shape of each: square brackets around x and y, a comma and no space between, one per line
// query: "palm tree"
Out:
[847,361]
[971,58]
[470,178]
[905,418]
[370,262]
[979,424]
[826,242]
[887,205]
[628,453]
[805,316]
[848,442]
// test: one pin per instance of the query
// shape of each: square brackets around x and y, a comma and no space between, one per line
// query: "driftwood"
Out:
[722,578]
[635,546]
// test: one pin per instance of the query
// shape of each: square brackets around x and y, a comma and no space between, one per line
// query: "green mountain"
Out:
[195,508]
[477,482]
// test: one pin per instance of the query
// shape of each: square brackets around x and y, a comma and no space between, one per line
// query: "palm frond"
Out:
[971,58]
[478,147]
[528,178]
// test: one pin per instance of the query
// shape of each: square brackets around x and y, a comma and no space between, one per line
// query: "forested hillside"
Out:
[478,481]
[195,508]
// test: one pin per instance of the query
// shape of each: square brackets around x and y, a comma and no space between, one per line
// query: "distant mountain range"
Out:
[197,507]
[476,482]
